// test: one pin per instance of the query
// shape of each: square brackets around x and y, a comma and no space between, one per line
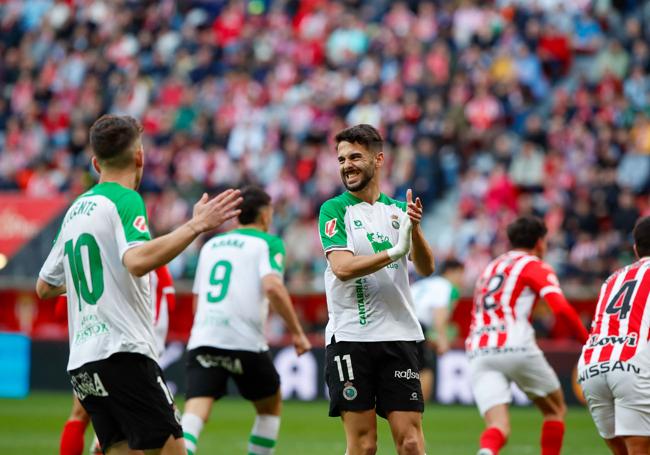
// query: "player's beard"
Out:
[366,176]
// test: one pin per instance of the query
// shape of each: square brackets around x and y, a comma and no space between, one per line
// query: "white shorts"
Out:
[491,376]
[618,397]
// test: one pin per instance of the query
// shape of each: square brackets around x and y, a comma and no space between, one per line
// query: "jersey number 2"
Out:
[220,280]
[493,285]
[90,294]
[620,303]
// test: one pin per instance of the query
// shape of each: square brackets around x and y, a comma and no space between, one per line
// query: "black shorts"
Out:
[208,370]
[379,375]
[127,399]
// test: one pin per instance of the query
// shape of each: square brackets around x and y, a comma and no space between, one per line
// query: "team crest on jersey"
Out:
[394,222]
[349,391]
[330,228]
[140,224]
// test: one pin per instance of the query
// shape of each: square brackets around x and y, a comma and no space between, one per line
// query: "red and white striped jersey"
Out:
[504,298]
[163,299]
[621,324]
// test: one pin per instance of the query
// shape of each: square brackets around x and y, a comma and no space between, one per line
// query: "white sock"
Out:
[192,426]
[264,435]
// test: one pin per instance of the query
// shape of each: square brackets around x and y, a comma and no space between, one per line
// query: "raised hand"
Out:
[413,209]
[403,241]
[209,214]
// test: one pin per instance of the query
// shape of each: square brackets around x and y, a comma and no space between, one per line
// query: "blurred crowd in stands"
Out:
[507,107]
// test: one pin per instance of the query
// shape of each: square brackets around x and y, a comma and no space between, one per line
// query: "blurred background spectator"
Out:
[489,109]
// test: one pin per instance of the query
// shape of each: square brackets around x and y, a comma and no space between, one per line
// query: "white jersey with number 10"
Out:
[109,310]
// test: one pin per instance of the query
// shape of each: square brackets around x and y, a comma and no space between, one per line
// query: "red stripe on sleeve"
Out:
[636,316]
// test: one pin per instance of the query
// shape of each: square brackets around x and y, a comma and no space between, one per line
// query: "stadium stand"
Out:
[501,107]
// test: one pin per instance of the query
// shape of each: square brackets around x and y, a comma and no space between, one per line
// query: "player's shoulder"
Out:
[338,205]
[110,194]
[391,202]
[641,263]
[112,191]
[540,264]
[259,237]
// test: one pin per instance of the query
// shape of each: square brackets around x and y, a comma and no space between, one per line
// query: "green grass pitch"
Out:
[32,426]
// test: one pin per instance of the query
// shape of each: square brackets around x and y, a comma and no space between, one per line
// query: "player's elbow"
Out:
[136,268]
[45,290]
[342,273]
[137,271]
[135,264]
[273,292]
[41,289]
[426,268]
[274,288]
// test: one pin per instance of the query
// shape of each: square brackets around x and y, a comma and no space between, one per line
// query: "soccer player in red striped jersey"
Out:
[614,369]
[501,344]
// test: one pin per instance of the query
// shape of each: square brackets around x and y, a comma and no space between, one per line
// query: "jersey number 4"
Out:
[620,303]
[88,290]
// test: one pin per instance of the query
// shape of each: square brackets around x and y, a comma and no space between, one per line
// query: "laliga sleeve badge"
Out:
[349,391]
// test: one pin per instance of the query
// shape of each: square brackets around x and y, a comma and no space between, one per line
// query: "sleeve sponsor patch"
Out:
[279,259]
[140,224]
[330,228]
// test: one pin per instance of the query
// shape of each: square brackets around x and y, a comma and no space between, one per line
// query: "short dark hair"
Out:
[112,138]
[641,236]
[364,134]
[525,231]
[254,199]
[450,264]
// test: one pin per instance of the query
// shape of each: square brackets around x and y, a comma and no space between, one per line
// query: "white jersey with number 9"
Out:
[232,307]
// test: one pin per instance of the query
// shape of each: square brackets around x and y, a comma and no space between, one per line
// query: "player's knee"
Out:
[368,446]
[79,413]
[367,443]
[557,412]
[410,446]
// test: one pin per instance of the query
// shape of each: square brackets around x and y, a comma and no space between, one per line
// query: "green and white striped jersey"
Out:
[109,310]
[375,307]
[232,307]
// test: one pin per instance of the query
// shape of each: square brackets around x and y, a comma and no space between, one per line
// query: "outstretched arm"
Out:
[542,279]
[562,308]
[208,215]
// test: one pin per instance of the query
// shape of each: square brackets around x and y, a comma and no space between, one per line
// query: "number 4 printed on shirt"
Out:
[620,303]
